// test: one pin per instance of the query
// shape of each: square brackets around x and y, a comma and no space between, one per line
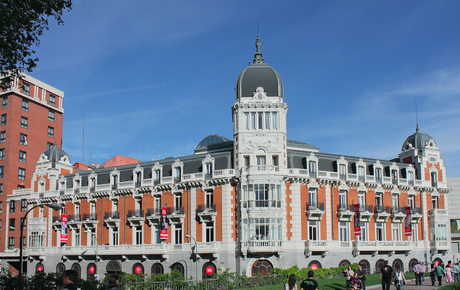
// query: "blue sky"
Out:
[153,78]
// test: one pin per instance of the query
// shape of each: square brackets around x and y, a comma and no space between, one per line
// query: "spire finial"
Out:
[258,58]
[416,117]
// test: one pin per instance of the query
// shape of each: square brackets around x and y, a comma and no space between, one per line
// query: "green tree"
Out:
[22,22]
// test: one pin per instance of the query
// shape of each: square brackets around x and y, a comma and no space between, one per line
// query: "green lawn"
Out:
[453,286]
[339,283]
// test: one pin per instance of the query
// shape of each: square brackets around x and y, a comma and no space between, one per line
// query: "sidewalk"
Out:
[410,285]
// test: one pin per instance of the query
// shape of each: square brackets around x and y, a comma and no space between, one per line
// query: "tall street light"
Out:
[94,243]
[55,207]
[196,255]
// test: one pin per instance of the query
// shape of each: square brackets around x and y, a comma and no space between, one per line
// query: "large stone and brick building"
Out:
[249,203]
[31,122]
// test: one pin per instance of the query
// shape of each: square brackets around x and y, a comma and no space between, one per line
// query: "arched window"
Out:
[90,271]
[179,267]
[379,264]
[262,267]
[412,263]
[314,265]
[398,263]
[366,266]
[60,268]
[113,266]
[76,267]
[344,263]
[208,270]
[138,268]
[157,269]
[40,268]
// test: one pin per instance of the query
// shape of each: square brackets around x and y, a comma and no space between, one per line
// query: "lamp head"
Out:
[188,236]
[55,206]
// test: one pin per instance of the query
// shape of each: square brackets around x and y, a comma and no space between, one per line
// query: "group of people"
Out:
[387,274]
[307,284]
[70,277]
[450,271]
[355,280]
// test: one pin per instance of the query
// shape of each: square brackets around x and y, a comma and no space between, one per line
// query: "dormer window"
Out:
[361,175]
[92,184]
[138,177]
[378,175]
[394,176]
[410,178]
[177,174]
[343,172]
[156,177]
[312,169]
[434,179]
[208,170]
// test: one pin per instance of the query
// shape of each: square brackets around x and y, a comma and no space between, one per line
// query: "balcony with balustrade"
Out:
[135,217]
[321,247]
[345,211]
[260,169]
[112,218]
[376,247]
[207,212]
[382,213]
[261,246]
[315,210]
[253,204]
[153,215]
[366,212]
[398,213]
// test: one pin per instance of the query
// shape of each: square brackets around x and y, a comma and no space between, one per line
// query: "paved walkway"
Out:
[410,285]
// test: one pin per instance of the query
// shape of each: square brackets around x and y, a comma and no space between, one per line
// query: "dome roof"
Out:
[55,154]
[259,74]
[211,140]
[418,141]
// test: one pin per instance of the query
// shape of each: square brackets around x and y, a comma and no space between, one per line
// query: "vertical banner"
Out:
[164,224]
[64,229]
[407,222]
[356,221]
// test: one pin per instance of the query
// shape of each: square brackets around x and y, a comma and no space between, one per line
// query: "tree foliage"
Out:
[22,22]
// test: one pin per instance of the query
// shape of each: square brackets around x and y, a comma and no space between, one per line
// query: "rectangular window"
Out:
[363,236]
[22,156]
[51,116]
[261,160]
[267,121]
[361,199]
[343,199]
[434,202]
[50,132]
[139,235]
[22,173]
[115,236]
[253,121]
[275,121]
[410,201]
[209,198]
[11,243]
[313,230]
[394,176]
[343,230]
[23,139]
[379,232]
[312,198]
[24,122]
[378,201]
[1,206]
[76,237]
[1,171]
[3,120]
[246,121]
[361,174]
[12,224]
[178,234]
[434,179]
[12,205]
[1,188]
[178,201]
[4,102]
[52,100]
[396,231]
[49,145]
[394,201]
[261,122]
[25,105]
[246,161]
[209,232]
[26,89]
[23,204]
[2,153]
[2,137]
[378,175]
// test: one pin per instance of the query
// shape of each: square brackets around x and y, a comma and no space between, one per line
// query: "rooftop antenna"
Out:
[257,26]
[416,116]
[84,116]
[90,151]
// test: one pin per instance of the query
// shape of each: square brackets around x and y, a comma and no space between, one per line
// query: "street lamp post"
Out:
[96,252]
[196,255]
[55,207]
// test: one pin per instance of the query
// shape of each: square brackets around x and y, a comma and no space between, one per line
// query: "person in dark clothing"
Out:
[309,283]
[360,274]
[69,278]
[386,274]
[433,274]
[113,283]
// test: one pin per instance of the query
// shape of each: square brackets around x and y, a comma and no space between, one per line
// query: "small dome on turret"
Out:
[54,154]
[418,140]
[259,74]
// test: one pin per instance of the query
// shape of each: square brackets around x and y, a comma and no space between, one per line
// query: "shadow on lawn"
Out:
[336,286]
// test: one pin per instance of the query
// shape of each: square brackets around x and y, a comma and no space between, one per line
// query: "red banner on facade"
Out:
[356,221]
[407,222]
[64,237]
[164,224]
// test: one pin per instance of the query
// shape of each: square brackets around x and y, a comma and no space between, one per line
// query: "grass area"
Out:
[339,283]
[452,286]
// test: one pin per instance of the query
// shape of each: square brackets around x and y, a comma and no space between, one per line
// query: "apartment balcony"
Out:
[261,246]
[416,213]
[206,212]
[208,248]
[260,169]
[315,210]
[345,211]
[154,211]
[366,212]
[382,213]
[193,177]
[321,247]
[89,219]
[437,212]
[135,217]
[74,218]
[440,245]
[153,215]
[398,213]
[375,247]
[261,204]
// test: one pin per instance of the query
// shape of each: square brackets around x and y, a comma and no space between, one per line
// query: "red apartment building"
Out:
[31,121]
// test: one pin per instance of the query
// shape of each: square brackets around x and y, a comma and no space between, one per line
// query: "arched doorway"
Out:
[138,268]
[314,265]
[262,267]
[76,267]
[208,270]
[179,267]
[366,266]
[398,263]
[157,269]
[379,264]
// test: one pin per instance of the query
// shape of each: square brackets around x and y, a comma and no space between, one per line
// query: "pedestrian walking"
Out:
[386,273]
[418,276]
[309,283]
[439,273]
[291,283]
[361,275]
[113,283]
[449,278]
[350,273]
[400,279]
[423,271]
[69,278]
[433,274]
[455,270]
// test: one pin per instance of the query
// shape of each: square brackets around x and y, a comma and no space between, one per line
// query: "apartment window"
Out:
[361,199]
[1,206]
[343,172]
[312,168]
[396,231]
[434,202]
[157,204]
[363,236]
[260,119]
[77,209]
[22,156]
[25,105]
[394,176]
[115,236]
[92,208]
[267,120]
[50,132]
[2,137]
[1,188]
[23,204]
[253,121]
[49,145]
[209,232]
[12,206]
[246,161]
[246,121]
[343,199]
[4,102]
[312,198]
[361,176]
[22,174]
[178,234]
[178,201]
[313,230]
[23,139]
[12,223]
[26,89]
[379,232]
[410,201]
[434,179]
[2,153]
[378,175]
[275,121]
[92,236]
[343,231]
[1,171]
[394,201]
[261,160]
[3,120]
[11,243]
[209,197]
[24,122]
[51,116]
[139,235]
[52,100]
[76,237]
[410,177]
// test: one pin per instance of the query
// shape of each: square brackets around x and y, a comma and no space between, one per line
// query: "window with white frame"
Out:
[260,118]
[343,199]
[77,209]
[253,121]
[23,139]
[178,201]
[52,101]
[92,237]
[92,207]
[361,174]
[434,202]
[157,204]
[25,105]
[379,231]
[312,168]
[177,174]
[76,237]
[26,89]
[434,179]
[209,198]
[36,239]
[267,121]
[114,236]
[138,235]
[396,231]
[156,177]
[115,205]
[410,201]
[208,170]
[343,172]
[51,116]
[410,177]
[378,201]
[394,176]
[261,160]
[178,234]
[364,236]
[441,232]
[209,232]
[343,231]
[312,198]
[395,201]
[414,236]
[246,161]
[22,156]
[275,121]
[362,199]
[21,173]
[246,121]
[313,233]
[378,175]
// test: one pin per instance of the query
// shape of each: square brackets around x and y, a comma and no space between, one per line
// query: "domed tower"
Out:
[421,150]
[259,117]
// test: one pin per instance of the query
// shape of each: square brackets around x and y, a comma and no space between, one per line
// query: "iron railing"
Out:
[206,208]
